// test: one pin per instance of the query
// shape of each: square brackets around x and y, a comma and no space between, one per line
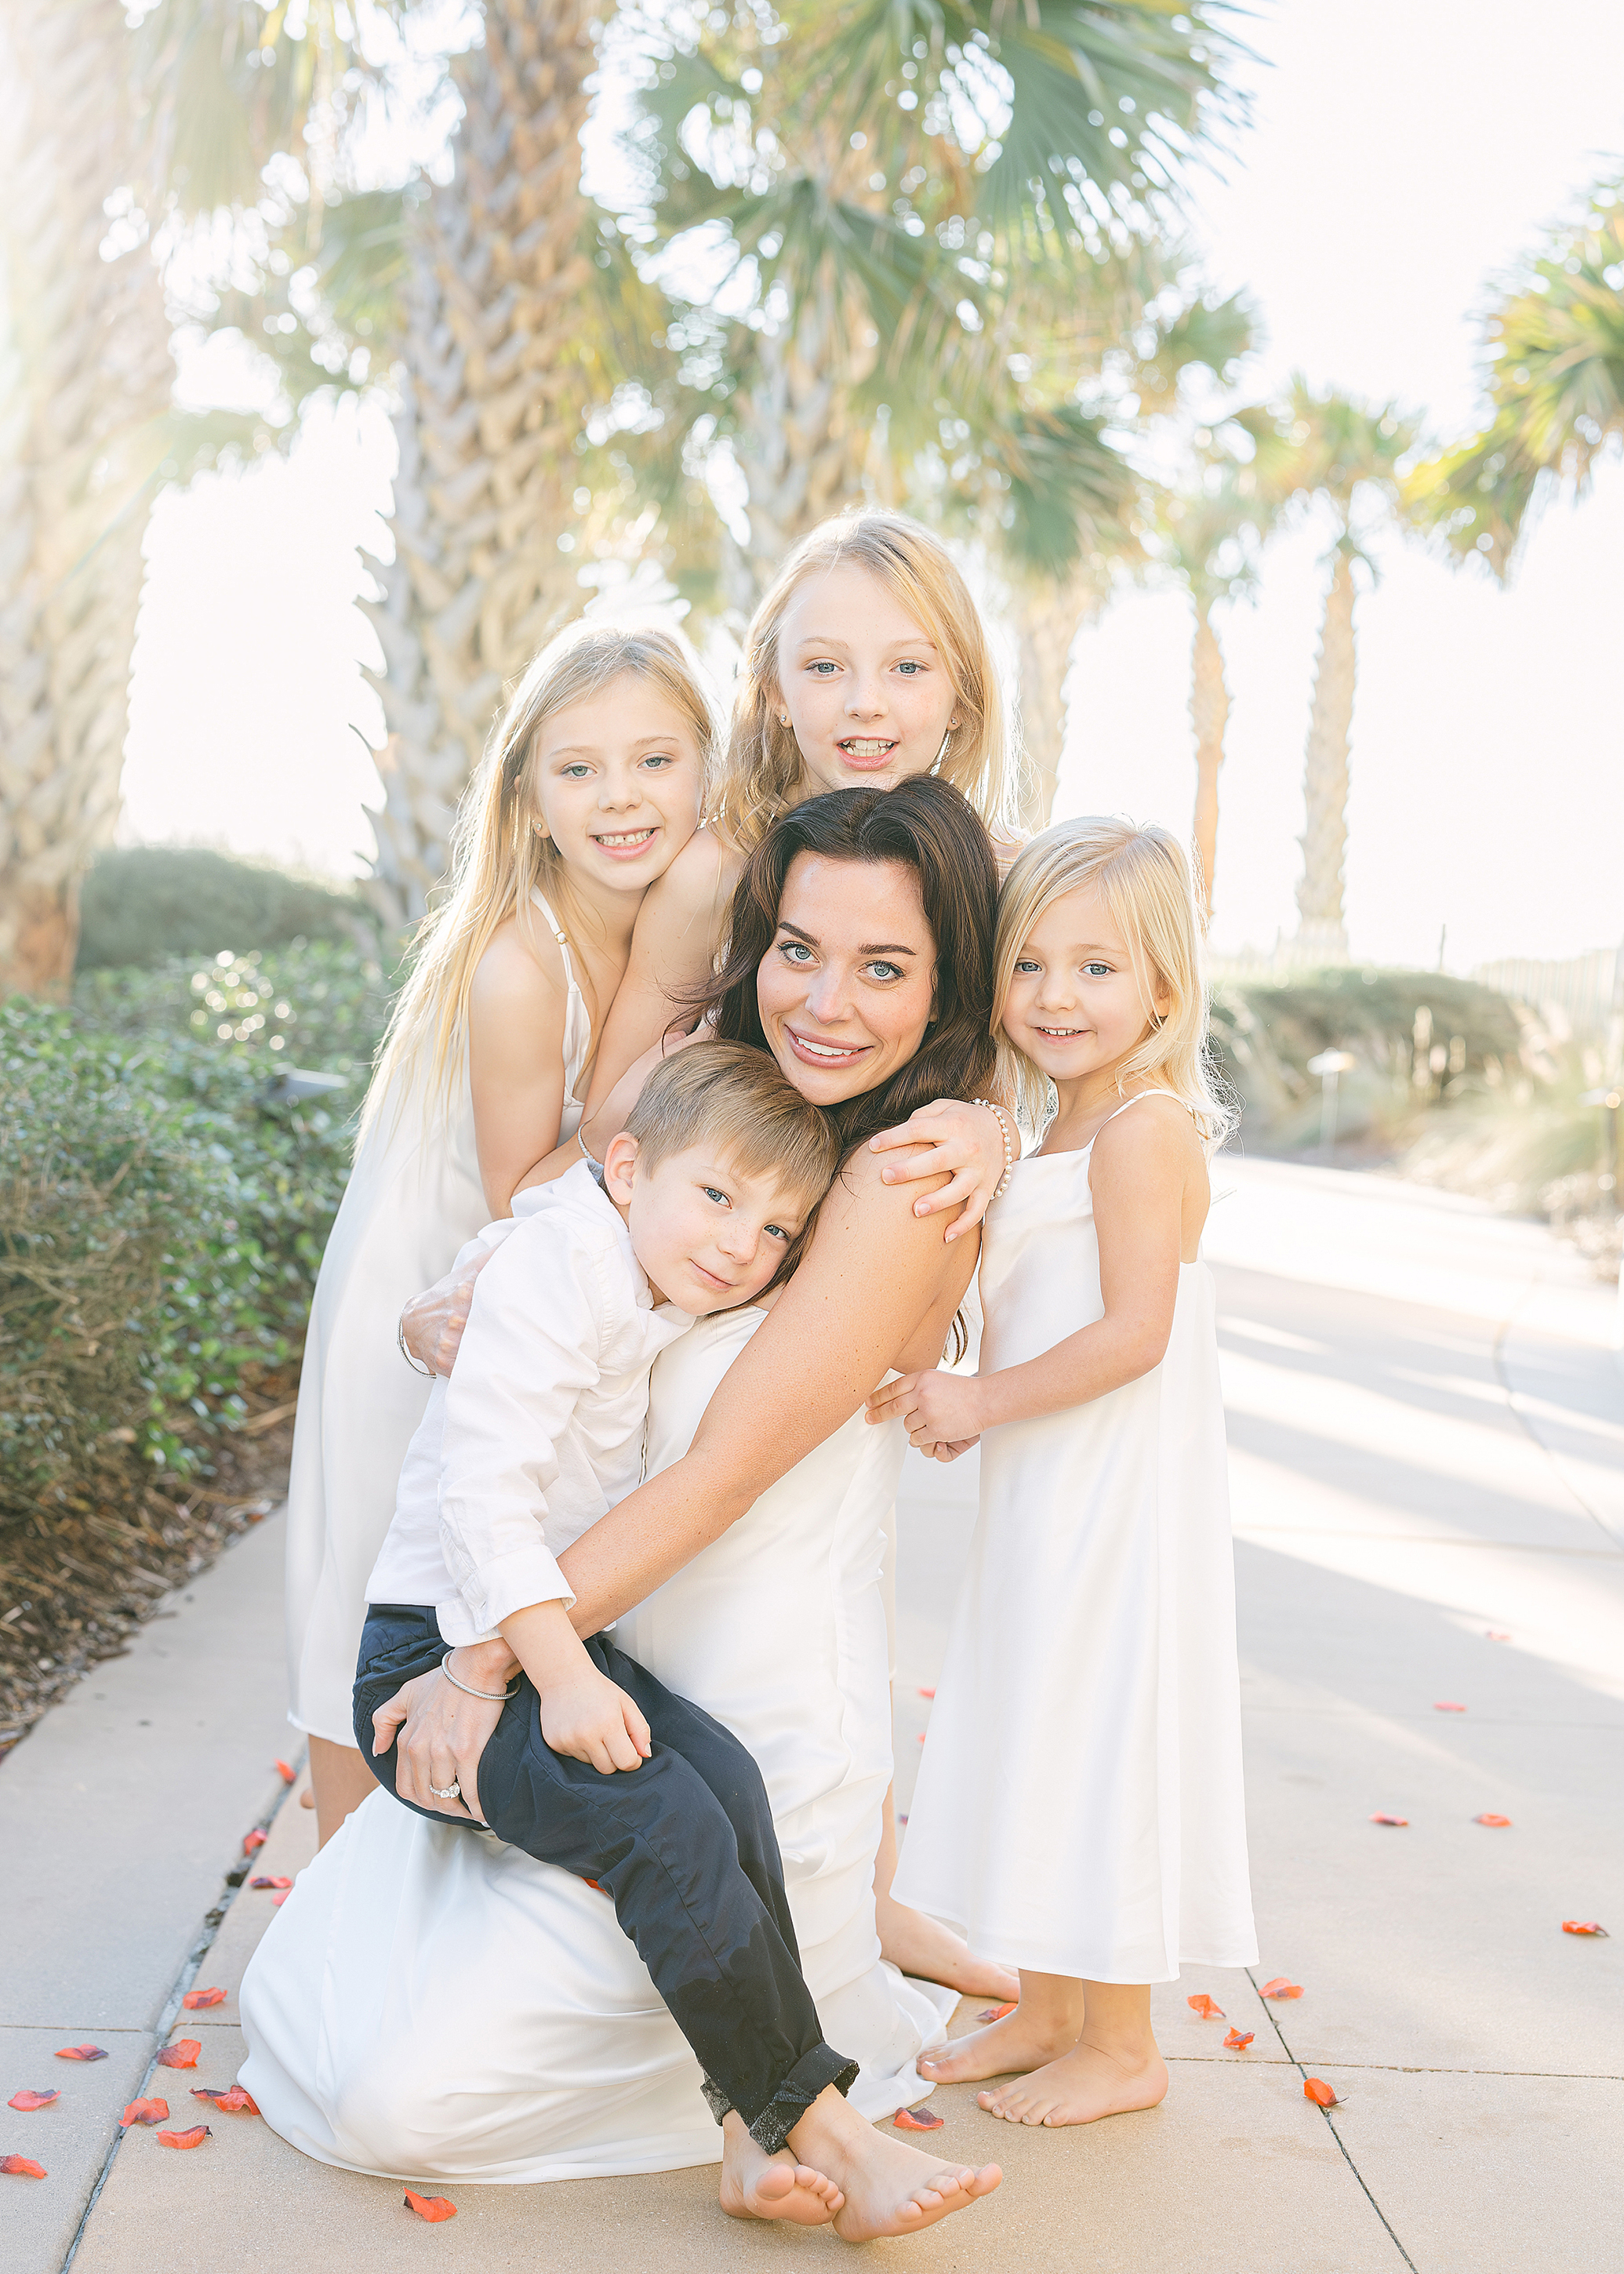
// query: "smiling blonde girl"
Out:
[591,786]
[1079,1808]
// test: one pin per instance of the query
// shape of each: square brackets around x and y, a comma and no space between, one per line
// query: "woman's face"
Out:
[616,778]
[869,696]
[848,986]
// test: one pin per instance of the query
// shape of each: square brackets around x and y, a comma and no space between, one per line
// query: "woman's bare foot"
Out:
[888,2189]
[1022,2040]
[930,1952]
[1083,2085]
[756,2185]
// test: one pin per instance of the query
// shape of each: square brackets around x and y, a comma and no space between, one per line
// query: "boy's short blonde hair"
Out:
[736,1097]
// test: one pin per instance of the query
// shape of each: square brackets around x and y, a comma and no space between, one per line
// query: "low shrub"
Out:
[143,904]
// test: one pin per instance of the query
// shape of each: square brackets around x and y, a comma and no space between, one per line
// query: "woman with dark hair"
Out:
[433,2005]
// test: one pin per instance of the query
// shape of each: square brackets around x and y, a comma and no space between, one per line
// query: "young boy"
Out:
[590,1763]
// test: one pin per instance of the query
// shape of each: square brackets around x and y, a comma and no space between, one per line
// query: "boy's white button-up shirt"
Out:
[538,1431]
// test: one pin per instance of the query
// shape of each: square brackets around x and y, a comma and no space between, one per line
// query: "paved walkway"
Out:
[1427,1424]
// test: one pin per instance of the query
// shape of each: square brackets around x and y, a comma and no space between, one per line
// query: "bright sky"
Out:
[1400,155]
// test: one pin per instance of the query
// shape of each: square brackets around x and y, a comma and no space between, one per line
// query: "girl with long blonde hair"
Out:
[592,786]
[1079,1808]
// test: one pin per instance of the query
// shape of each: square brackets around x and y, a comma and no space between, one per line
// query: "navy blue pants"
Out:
[683,1844]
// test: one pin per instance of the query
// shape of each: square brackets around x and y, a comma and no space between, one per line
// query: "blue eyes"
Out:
[722,1201]
[823,669]
[797,952]
[1026,966]
[793,948]
[578,770]
[1098,970]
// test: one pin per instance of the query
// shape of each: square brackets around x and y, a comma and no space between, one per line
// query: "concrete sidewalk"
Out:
[1427,1431]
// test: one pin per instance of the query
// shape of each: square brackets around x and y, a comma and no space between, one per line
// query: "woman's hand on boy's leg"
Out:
[444,1733]
[941,1412]
[588,1718]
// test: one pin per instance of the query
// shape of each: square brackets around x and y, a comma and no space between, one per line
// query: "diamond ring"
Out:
[452,1791]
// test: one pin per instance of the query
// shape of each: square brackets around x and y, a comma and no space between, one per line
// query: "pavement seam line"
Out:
[233,1881]
[1525,1422]
[1335,2134]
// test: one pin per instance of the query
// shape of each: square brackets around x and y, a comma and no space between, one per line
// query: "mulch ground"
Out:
[78,1579]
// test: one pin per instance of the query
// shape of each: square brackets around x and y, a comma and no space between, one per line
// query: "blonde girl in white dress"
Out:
[592,785]
[1079,1809]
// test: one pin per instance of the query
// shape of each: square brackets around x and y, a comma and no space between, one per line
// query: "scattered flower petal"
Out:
[182,2054]
[922,1737]
[997,2013]
[270,1879]
[23,2167]
[1496,1638]
[195,2001]
[236,2097]
[1238,2040]
[1501,1823]
[1444,1705]
[1202,2004]
[1279,1987]
[252,1840]
[1380,1819]
[433,2208]
[193,2138]
[82,2052]
[286,1774]
[1319,2091]
[278,1901]
[27,2100]
[918,2120]
[927,1693]
[1584,1926]
[144,2111]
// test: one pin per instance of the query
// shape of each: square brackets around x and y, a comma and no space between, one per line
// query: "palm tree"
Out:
[1207,538]
[1344,456]
[85,383]
[1555,388]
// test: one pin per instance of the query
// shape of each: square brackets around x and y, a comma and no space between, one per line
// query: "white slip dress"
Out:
[413,1199]
[431,2004]
[1079,1808]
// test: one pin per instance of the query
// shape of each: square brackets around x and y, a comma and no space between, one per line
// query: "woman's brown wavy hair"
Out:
[930,829]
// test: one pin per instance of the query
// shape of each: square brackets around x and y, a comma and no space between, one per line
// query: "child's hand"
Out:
[941,1412]
[588,1718]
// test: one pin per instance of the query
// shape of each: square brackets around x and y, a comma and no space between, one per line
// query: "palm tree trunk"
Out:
[86,377]
[1209,715]
[1049,617]
[496,371]
[1321,932]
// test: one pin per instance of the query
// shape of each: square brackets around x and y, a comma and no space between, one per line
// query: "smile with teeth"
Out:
[1061,1033]
[868,746]
[623,839]
[830,1053]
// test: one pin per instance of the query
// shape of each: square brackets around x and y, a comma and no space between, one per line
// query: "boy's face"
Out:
[708,1236]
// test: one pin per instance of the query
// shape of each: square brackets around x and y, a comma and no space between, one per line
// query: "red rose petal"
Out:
[286,1774]
[195,2001]
[1279,1987]
[1202,2004]
[194,2138]
[433,2208]
[1389,1820]
[1443,1705]
[144,2111]
[1496,1638]
[252,1840]
[1584,1926]
[1316,2089]
[1238,2040]
[82,2052]
[278,1901]
[270,1879]
[918,2120]
[182,2054]
[233,2098]
[27,2100]
[24,2167]
[996,2013]
[1501,1823]
[927,1693]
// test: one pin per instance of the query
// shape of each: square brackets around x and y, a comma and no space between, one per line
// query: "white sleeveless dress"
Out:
[413,1199]
[1079,1807]
[429,2004]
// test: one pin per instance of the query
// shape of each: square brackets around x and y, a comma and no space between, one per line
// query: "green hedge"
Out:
[142,904]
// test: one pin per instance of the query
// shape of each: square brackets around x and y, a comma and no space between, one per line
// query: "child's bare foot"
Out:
[1026,2039]
[889,2188]
[1083,2085]
[756,2185]
[930,1952]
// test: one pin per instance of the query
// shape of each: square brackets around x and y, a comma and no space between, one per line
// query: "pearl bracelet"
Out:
[1006,1130]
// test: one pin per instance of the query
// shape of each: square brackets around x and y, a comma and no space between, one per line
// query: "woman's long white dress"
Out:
[1079,1807]
[413,1199]
[430,2004]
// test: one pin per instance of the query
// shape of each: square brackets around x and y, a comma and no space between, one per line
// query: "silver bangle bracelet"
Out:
[1008,1131]
[494,1697]
[415,1364]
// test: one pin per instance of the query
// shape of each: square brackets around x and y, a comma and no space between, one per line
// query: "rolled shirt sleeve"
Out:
[533,1344]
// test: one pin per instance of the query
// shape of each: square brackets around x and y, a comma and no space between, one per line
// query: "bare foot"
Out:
[888,2189]
[756,2185]
[1020,2041]
[1082,2086]
[931,1952]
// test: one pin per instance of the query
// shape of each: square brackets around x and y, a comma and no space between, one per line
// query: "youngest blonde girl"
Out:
[1079,1808]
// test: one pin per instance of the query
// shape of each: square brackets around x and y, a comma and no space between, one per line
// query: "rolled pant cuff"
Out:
[772,2126]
